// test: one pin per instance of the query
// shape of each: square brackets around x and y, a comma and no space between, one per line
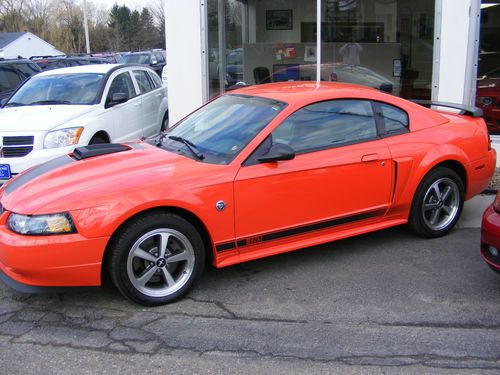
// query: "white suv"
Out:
[58,110]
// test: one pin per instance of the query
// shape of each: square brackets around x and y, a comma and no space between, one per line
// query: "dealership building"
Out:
[441,50]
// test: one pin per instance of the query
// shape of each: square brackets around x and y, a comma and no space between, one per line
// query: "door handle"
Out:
[369,157]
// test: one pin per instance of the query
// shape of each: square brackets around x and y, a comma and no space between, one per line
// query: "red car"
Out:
[260,171]
[490,235]
[488,99]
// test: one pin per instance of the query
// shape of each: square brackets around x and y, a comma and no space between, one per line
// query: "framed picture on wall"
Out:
[279,19]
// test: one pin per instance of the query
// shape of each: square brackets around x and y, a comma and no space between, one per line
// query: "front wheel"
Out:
[156,259]
[437,204]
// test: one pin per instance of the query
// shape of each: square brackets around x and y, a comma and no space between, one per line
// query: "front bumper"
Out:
[49,261]
[490,236]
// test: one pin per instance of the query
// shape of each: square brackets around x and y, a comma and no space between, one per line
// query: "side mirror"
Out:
[277,152]
[118,98]
[3,102]
[154,61]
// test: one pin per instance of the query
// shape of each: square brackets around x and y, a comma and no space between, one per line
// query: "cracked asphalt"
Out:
[386,302]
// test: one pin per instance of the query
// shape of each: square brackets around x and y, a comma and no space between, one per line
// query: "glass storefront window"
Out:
[385,44]
[488,72]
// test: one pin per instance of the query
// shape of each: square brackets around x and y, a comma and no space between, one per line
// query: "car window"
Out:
[135,59]
[122,83]
[395,120]
[9,77]
[223,127]
[326,125]
[155,79]
[143,81]
[159,57]
[27,70]
[80,88]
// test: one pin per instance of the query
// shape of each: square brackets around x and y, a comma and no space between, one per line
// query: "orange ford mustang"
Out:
[260,171]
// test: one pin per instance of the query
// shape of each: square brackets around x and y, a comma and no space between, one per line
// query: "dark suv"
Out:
[13,73]
[155,59]
[55,62]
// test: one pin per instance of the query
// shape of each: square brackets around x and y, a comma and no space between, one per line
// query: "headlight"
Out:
[62,137]
[41,224]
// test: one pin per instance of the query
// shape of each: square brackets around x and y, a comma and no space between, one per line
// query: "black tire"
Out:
[165,281]
[97,139]
[164,122]
[432,215]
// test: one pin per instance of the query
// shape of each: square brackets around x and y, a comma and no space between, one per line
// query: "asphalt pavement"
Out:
[386,302]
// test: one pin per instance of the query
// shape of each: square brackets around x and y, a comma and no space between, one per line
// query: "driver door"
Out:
[341,175]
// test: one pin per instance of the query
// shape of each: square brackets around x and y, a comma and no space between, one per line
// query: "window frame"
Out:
[380,119]
[148,79]
[377,136]
[111,80]
[379,125]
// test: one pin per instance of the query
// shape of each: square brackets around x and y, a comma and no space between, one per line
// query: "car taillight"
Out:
[496,203]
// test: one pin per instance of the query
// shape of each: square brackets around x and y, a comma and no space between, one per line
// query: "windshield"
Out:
[135,59]
[222,128]
[79,88]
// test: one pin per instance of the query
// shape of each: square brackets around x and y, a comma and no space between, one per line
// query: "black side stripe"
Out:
[248,241]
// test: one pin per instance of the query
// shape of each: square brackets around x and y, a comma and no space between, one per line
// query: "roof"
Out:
[8,38]
[294,91]
[97,68]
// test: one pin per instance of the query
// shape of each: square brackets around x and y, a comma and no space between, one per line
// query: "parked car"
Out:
[265,170]
[488,99]
[13,72]
[55,111]
[154,59]
[56,62]
[490,235]
[331,72]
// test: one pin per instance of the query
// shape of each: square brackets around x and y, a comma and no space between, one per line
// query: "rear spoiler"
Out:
[468,110]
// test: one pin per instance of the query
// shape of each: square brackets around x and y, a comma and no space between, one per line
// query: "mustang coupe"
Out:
[257,172]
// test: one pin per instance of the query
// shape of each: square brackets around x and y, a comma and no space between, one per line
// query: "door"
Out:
[127,119]
[341,174]
[150,102]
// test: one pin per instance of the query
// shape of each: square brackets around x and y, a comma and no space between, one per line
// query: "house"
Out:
[25,44]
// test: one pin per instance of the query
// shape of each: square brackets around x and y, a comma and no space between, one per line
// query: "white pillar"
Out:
[185,56]
[455,51]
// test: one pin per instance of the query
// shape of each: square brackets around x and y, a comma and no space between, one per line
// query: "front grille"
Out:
[16,141]
[16,146]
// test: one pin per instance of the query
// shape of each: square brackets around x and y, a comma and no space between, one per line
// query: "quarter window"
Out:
[143,81]
[395,120]
[327,124]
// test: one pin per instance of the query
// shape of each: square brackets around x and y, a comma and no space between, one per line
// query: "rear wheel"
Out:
[437,204]
[156,259]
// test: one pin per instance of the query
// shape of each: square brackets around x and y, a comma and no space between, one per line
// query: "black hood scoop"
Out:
[90,151]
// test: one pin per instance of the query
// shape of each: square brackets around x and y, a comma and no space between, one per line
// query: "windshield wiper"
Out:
[43,102]
[190,145]
[14,104]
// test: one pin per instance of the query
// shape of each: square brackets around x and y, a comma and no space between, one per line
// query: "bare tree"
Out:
[11,15]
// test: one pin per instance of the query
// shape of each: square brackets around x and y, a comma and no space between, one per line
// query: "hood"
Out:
[40,117]
[65,184]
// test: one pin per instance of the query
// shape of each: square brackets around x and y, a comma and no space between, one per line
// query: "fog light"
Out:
[493,251]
